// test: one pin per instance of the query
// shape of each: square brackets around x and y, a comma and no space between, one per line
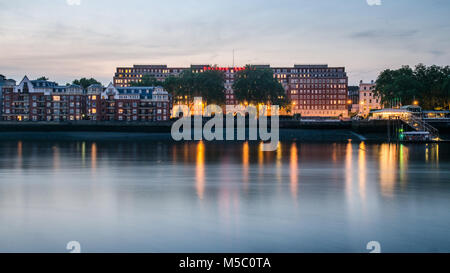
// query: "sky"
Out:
[69,39]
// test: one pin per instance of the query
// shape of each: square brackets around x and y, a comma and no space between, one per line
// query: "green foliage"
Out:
[147,80]
[43,78]
[84,82]
[208,85]
[255,85]
[430,86]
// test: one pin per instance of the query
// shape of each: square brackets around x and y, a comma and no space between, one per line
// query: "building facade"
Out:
[315,90]
[41,100]
[134,104]
[368,100]
[353,97]
[4,82]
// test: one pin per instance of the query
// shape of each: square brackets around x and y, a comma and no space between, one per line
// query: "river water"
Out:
[137,196]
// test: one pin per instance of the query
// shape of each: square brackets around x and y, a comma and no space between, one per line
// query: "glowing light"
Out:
[294,170]
[245,163]
[200,171]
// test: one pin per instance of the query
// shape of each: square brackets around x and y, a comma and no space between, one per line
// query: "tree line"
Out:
[251,86]
[429,86]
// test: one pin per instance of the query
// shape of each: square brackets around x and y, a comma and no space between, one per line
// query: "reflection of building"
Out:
[367,99]
[315,90]
[43,100]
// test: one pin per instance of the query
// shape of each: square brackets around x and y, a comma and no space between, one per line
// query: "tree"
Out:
[172,85]
[258,85]
[207,84]
[210,86]
[85,83]
[147,80]
[430,86]
[43,78]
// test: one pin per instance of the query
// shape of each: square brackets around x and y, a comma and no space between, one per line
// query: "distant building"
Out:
[4,82]
[93,102]
[367,99]
[42,100]
[134,104]
[315,90]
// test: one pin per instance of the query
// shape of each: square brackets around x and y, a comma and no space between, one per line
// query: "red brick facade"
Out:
[315,90]
[47,101]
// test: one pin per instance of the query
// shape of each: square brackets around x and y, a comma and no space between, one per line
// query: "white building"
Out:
[367,99]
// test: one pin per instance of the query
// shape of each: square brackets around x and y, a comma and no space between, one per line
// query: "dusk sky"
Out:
[67,39]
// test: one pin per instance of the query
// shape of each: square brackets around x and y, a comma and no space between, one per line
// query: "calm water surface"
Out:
[223,197]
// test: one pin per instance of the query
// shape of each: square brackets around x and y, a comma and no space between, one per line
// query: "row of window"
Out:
[309,91]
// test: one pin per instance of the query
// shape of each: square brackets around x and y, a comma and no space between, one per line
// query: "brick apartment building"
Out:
[4,82]
[128,103]
[315,90]
[41,100]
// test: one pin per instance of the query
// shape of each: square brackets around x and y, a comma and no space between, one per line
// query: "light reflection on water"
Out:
[223,197]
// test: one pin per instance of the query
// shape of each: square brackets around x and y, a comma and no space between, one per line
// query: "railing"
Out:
[419,124]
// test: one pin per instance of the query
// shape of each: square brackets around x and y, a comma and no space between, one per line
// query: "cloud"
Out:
[73,2]
[384,34]
[374,2]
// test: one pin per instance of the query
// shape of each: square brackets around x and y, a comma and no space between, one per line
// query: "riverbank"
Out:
[290,130]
